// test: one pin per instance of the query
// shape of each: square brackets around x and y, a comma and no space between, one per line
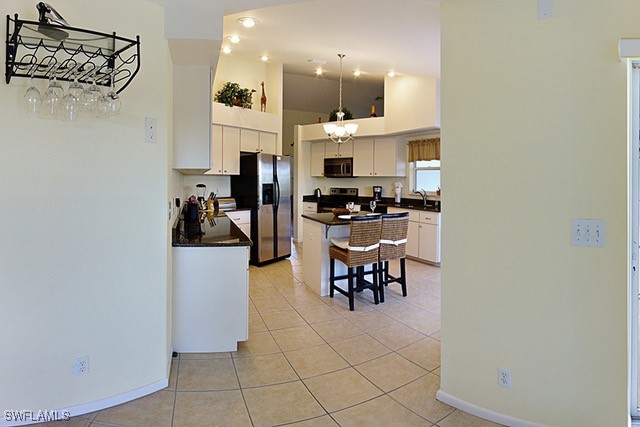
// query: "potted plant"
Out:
[231,94]
[333,116]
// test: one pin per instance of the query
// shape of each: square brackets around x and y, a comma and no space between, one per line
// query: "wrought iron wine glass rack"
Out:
[86,55]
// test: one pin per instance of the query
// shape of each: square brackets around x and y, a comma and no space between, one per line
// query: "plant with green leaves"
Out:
[231,94]
[333,116]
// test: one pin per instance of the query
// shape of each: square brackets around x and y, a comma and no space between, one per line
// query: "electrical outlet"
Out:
[81,366]
[504,378]
[587,232]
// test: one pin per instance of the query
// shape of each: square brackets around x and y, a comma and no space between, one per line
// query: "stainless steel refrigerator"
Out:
[264,186]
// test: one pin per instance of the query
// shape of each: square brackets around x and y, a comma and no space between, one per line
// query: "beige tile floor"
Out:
[309,361]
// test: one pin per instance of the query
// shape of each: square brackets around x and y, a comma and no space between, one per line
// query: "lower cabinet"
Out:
[242,219]
[309,207]
[210,298]
[423,236]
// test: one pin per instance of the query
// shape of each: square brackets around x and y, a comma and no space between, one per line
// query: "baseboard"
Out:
[98,405]
[478,411]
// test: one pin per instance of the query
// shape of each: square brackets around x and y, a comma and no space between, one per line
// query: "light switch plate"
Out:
[150,130]
[587,232]
[545,9]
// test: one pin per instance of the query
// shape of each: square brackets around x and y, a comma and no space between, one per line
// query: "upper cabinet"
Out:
[225,151]
[317,158]
[379,157]
[334,150]
[192,118]
[253,141]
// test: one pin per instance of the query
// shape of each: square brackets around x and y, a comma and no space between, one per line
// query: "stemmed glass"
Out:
[372,205]
[92,95]
[76,88]
[351,206]
[32,97]
[53,96]
[115,104]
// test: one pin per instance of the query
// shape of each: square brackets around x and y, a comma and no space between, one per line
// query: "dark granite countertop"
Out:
[213,229]
[328,218]
[432,205]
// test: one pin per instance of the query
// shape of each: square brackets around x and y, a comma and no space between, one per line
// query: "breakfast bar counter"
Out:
[319,228]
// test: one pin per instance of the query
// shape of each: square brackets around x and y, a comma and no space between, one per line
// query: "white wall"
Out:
[291,118]
[534,134]
[83,258]
[411,103]
[303,93]
[250,74]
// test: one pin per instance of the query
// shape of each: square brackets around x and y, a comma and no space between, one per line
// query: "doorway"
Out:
[634,209]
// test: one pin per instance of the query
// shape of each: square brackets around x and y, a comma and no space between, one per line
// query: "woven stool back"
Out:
[364,233]
[394,229]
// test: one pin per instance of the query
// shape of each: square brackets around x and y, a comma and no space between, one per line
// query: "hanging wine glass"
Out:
[52,97]
[32,97]
[372,205]
[115,104]
[76,88]
[92,95]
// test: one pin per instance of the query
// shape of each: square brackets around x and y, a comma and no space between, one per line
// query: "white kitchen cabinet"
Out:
[423,236]
[332,150]
[379,157]
[309,207]
[363,157]
[225,150]
[413,239]
[242,219]
[268,143]
[210,298]
[253,141]
[192,117]
[317,158]
[249,140]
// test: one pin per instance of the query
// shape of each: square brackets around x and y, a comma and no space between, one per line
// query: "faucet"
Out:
[422,193]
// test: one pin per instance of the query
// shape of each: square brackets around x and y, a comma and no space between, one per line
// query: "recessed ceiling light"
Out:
[247,22]
[318,71]
[265,58]
[357,73]
[226,49]
[234,38]
[391,74]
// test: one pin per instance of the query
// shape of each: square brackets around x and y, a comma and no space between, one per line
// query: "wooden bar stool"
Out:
[393,245]
[361,249]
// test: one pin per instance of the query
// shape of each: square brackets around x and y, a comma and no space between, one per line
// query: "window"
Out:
[427,175]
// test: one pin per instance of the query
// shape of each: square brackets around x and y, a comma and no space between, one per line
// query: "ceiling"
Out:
[375,35]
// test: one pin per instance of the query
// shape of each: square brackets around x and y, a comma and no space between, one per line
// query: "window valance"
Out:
[424,149]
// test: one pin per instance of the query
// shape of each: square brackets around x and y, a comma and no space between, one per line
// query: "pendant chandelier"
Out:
[338,132]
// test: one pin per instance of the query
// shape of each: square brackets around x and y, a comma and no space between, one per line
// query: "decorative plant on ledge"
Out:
[231,94]
[333,116]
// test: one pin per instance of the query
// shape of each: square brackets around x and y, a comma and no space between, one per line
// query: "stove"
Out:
[338,198]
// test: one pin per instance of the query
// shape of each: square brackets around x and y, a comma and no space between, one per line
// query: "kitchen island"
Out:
[318,229]
[210,284]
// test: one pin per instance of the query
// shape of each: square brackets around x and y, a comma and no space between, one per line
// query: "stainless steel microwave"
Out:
[340,167]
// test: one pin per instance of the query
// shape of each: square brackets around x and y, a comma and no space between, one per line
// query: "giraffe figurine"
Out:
[263,99]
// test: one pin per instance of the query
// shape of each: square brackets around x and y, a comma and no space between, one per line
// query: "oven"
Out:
[338,198]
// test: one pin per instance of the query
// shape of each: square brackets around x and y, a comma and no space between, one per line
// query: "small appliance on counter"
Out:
[377,192]
[224,204]
[201,192]
[317,193]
